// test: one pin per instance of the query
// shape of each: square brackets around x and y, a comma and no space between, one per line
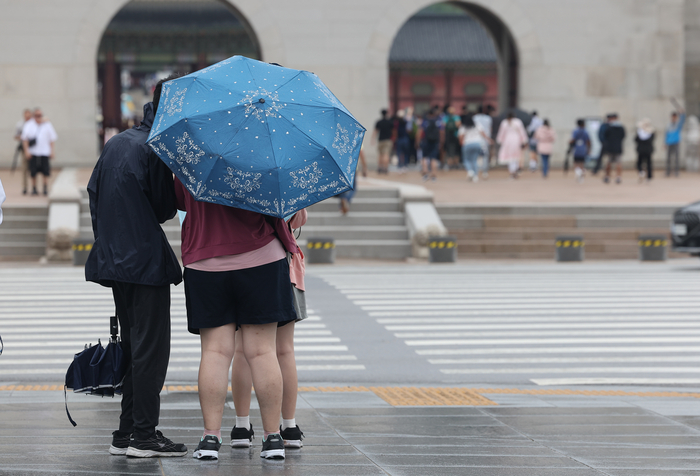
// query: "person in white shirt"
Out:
[2,199]
[484,120]
[472,139]
[38,138]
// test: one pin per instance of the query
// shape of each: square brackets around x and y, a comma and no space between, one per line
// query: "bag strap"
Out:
[65,401]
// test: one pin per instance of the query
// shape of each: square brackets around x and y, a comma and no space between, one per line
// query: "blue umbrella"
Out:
[256,136]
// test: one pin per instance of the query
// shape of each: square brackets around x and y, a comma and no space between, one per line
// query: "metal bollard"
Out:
[443,249]
[652,247]
[81,250]
[320,250]
[569,248]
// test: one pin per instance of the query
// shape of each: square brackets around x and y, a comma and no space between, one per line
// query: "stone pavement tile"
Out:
[622,410]
[668,406]
[481,471]
[491,461]
[455,447]
[689,420]
[342,400]
[651,472]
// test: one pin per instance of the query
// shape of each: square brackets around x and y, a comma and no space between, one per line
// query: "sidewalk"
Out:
[528,431]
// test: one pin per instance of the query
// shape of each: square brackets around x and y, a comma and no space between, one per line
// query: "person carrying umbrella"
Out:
[131,192]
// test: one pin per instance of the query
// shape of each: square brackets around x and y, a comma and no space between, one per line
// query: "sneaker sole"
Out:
[293,443]
[137,453]
[113,450]
[206,454]
[272,454]
[241,443]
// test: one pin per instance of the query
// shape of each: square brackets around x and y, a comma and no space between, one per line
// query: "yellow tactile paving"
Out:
[421,396]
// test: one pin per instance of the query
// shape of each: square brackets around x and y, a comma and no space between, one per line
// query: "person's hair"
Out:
[674,114]
[546,122]
[445,108]
[27,110]
[580,123]
[384,112]
[479,109]
[510,115]
[468,121]
[159,89]
[534,113]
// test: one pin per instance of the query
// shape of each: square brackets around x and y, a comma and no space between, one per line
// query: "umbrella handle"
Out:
[113,327]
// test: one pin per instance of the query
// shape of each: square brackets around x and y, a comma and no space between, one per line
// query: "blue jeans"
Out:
[470,155]
[545,164]
[403,150]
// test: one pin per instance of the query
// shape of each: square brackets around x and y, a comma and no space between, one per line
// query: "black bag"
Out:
[432,132]
[32,142]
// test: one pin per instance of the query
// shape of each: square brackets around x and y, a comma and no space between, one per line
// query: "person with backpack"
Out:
[452,146]
[581,144]
[429,138]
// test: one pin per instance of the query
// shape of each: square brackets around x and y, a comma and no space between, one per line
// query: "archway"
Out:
[456,53]
[149,39]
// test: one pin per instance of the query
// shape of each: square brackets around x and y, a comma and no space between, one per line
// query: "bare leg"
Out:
[288,366]
[217,352]
[259,347]
[241,380]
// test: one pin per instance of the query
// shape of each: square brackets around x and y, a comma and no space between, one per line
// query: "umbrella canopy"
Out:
[256,136]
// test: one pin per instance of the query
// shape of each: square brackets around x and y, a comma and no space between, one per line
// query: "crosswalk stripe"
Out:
[611,324]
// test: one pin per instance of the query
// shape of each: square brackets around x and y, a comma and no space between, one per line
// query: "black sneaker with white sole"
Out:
[156,446]
[292,437]
[242,438]
[208,448]
[272,447]
[120,443]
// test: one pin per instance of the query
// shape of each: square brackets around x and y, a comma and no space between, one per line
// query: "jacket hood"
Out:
[148,115]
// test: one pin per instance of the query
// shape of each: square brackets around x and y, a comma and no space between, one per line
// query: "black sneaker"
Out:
[157,445]
[208,448]
[119,443]
[242,438]
[292,437]
[272,447]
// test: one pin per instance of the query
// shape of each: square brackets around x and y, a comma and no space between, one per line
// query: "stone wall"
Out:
[576,58]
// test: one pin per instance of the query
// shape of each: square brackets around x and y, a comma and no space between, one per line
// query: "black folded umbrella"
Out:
[97,370]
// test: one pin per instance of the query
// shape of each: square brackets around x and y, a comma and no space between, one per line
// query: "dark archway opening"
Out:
[147,40]
[453,53]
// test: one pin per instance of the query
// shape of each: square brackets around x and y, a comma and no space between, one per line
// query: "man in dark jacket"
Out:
[613,138]
[601,137]
[131,192]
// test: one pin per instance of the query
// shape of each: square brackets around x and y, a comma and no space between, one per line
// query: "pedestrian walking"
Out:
[383,137]
[19,157]
[614,137]
[346,197]
[38,137]
[241,380]
[236,281]
[451,123]
[131,193]
[545,138]
[673,140]
[603,145]
[484,118]
[2,199]
[472,139]
[581,145]
[512,139]
[429,138]
[535,123]
[644,138]
[403,141]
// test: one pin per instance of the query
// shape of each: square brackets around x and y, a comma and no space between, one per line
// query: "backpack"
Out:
[451,127]
[432,132]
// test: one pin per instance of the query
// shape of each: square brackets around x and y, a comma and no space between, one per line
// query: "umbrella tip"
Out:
[261,100]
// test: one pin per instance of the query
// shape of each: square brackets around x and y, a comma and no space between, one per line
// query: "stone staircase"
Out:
[375,228]
[23,232]
[529,232]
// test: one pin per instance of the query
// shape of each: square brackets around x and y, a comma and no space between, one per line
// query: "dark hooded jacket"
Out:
[131,192]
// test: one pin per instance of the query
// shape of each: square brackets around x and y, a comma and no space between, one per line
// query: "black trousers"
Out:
[643,160]
[144,317]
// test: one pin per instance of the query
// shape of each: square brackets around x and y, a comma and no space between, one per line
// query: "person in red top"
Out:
[236,277]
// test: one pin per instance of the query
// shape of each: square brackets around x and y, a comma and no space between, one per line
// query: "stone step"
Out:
[518,210]
[370,249]
[20,249]
[495,221]
[589,234]
[589,256]
[520,246]
[376,193]
[623,221]
[12,211]
[354,218]
[22,235]
[360,205]
[356,232]
[24,222]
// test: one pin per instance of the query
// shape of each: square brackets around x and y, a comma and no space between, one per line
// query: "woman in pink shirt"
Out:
[236,277]
[242,433]
[545,137]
